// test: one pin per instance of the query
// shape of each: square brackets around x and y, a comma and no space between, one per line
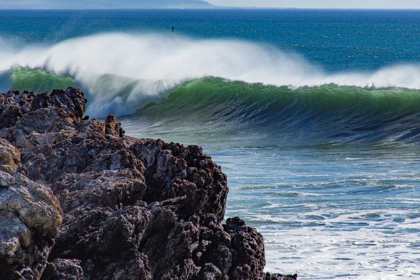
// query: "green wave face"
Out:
[246,101]
[38,80]
[324,114]
[315,115]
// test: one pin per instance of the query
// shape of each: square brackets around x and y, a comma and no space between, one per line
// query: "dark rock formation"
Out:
[131,208]
[29,220]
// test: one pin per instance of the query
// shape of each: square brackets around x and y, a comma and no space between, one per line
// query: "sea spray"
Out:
[308,115]
[323,170]
[148,67]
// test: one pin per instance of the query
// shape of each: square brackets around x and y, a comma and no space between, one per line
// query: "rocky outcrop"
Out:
[29,219]
[131,208]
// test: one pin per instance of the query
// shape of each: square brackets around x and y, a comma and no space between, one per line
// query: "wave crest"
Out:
[123,72]
[303,116]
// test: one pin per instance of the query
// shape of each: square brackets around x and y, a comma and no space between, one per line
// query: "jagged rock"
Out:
[29,220]
[132,208]
[269,276]
[112,127]
[9,157]
[63,270]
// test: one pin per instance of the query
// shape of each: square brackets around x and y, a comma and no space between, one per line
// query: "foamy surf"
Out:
[316,155]
[148,67]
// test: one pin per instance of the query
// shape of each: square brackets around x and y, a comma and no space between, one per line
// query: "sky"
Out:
[317,4]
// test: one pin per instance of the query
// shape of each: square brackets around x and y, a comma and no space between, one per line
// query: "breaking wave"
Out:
[223,80]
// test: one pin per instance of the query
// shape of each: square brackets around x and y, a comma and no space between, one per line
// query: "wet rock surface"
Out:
[80,200]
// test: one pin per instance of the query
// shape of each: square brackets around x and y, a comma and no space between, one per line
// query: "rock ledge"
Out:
[80,200]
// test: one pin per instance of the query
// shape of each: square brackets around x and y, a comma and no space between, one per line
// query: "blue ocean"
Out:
[314,115]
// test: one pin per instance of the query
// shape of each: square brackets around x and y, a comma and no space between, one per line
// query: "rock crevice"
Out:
[80,200]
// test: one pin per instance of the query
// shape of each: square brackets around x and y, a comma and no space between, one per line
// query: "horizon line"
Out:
[209,8]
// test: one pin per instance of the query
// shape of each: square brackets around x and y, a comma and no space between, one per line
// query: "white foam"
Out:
[161,62]
[367,253]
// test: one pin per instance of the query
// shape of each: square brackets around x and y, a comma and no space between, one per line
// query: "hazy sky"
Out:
[353,4]
[343,4]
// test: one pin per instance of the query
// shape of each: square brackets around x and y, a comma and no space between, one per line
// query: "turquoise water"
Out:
[338,40]
[313,115]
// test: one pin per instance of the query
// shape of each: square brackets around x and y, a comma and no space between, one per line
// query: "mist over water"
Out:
[313,115]
[122,72]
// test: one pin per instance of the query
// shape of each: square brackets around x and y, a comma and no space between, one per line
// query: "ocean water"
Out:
[313,115]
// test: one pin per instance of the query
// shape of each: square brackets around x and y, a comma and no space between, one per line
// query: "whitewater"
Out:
[148,67]
[313,115]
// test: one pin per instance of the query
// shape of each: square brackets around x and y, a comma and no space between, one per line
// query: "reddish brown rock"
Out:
[112,127]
